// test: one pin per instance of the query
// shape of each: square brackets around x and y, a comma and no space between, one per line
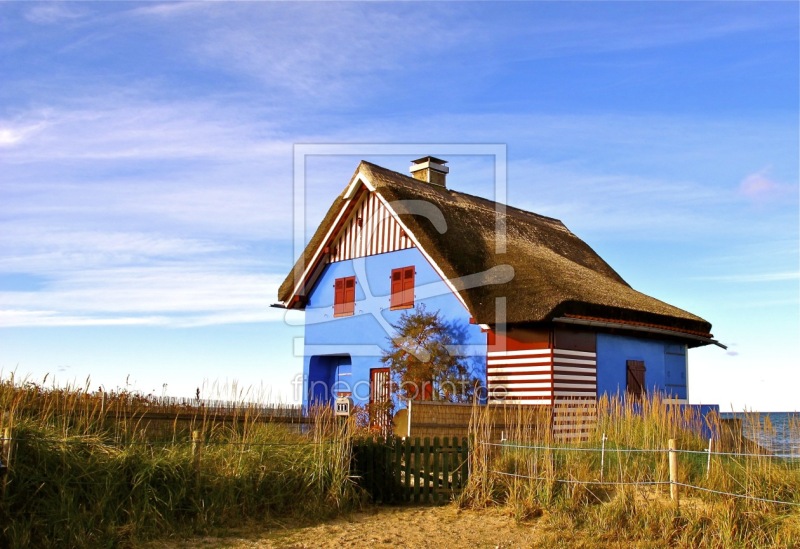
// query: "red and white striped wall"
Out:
[564,379]
[575,393]
[540,376]
[370,229]
[574,374]
[520,376]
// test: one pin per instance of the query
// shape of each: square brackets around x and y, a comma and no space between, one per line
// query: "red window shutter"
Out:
[402,288]
[338,299]
[397,288]
[408,287]
[344,298]
[349,295]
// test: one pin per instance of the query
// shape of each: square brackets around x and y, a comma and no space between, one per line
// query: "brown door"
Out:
[380,400]
[636,383]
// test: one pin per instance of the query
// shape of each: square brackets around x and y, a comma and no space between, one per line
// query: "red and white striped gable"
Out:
[365,226]
[370,229]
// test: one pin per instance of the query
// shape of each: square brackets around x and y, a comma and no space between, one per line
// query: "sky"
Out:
[147,166]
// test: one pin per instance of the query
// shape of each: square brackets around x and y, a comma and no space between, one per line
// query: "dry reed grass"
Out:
[622,494]
[89,471]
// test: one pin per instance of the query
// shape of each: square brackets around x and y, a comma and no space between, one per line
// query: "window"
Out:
[403,288]
[636,384]
[344,299]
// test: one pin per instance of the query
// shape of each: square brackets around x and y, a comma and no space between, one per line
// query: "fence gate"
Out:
[395,470]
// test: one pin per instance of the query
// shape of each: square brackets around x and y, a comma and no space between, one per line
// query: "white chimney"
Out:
[431,170]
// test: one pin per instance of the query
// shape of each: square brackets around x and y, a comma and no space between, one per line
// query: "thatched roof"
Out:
[546,272]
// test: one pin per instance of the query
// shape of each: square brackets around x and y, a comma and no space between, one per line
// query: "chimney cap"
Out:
[429,159]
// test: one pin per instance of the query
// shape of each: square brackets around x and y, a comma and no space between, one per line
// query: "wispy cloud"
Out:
[47,248]
[759,188]
[119,126]
[756,277]
[565,34]
[341,53]
[48,13]
[331,52]
[169,9]
[129,164]
[616,202]
[167,296]
[11,318]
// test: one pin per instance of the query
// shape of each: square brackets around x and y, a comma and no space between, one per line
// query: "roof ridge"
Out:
[426,186]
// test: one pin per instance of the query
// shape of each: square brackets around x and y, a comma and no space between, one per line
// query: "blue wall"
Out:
[665,364]
[362,337]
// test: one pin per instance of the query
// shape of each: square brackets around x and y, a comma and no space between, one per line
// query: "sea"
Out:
[778,432]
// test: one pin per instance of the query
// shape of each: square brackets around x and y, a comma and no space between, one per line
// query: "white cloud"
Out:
[9,137]
[15,134]
[121,126]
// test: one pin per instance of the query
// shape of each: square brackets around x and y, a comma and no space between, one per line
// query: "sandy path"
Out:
[426,527]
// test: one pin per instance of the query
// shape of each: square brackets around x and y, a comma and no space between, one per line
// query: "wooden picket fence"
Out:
[398,470]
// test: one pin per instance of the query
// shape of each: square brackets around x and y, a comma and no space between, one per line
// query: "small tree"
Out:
[426,358]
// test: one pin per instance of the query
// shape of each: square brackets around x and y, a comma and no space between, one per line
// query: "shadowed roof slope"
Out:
[546,272]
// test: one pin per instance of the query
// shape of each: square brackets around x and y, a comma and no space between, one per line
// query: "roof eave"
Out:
[303,270]
[702,340]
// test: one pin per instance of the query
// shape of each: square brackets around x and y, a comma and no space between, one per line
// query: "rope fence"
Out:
[731,494]
[588,482]
[575,449]
[728,463]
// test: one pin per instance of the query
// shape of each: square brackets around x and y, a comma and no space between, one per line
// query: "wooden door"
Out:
[636,373]
[380,398]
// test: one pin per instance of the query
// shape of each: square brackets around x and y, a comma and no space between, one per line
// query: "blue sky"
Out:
[146,168]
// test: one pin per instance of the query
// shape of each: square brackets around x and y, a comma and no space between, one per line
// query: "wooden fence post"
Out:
[602,455]
[5,457]
[197,450]
[673,472]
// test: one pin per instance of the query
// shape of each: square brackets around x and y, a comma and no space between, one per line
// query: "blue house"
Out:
[544,318]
